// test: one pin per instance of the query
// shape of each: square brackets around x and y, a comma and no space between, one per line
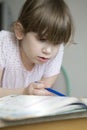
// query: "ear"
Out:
[18,29]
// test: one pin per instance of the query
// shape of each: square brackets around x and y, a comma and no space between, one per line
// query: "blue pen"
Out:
[55,92]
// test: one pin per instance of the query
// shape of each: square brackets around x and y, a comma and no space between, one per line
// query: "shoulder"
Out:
[8,45]
[61,48]
[4,34]
[7,40]
[59,54]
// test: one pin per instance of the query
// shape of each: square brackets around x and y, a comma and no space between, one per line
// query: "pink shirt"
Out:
[15,75]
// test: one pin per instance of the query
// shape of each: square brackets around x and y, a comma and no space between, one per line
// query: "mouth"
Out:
[43,59]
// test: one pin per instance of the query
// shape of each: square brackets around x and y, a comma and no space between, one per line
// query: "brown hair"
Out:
[50,18]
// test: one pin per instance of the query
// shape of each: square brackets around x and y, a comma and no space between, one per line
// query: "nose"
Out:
[47,50]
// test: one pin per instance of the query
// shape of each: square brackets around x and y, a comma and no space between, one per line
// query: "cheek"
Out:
[55,51]
[32,49]
[25,47]
[26,44]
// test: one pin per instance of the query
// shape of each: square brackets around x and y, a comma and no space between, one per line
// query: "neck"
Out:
[25,60]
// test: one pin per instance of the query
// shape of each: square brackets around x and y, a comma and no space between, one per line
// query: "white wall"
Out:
[75,58]
[75,61]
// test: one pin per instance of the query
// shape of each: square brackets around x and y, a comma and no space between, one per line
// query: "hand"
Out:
[38,88]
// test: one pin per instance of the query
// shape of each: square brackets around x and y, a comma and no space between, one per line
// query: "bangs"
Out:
[53,29]
[55,24]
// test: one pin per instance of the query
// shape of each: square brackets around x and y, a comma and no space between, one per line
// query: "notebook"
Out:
[18,107]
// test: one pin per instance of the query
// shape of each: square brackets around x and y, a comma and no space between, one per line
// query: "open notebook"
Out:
[17,107]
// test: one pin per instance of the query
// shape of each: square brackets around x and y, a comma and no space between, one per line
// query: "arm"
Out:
[38,88]
[32,89]
[50,80]
[5,91]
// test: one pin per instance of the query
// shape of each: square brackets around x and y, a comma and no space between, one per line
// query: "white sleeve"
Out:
[2,59]
[53,66]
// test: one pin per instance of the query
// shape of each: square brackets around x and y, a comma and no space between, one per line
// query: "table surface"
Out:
[76,120]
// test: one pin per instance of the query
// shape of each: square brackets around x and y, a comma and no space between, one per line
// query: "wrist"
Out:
[25,91]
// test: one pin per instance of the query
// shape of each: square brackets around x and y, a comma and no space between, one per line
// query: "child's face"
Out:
[37,50]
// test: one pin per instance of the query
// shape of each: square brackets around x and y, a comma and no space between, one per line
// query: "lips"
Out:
[43,59]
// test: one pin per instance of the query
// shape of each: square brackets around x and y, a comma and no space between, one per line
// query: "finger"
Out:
[43,82]
[39,85]
[35,87]
[42,92]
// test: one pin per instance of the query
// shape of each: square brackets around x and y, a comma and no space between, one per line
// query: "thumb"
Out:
[39,85]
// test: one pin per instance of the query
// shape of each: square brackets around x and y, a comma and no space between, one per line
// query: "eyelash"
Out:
[42,39]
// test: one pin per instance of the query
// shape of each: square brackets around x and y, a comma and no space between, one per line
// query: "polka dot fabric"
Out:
[15,74]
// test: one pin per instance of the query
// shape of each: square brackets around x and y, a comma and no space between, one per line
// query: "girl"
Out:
[34,50]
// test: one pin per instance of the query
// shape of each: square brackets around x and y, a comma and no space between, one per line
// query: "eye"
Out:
[42,39]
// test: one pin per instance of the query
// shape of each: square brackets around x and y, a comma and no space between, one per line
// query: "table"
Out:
[71,121]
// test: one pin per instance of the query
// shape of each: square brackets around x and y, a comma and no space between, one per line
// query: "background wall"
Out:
[75,57]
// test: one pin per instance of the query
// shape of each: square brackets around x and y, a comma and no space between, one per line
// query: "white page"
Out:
[24,106]
[84,100]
